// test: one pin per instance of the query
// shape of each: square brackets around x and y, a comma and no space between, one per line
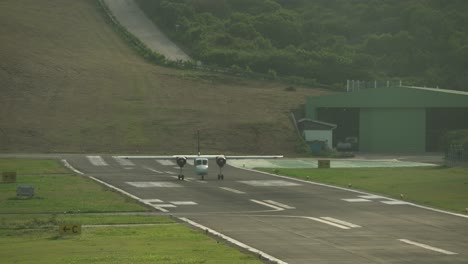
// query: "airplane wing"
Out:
[200,156]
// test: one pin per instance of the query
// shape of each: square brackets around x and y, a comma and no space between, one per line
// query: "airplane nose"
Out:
[202,169]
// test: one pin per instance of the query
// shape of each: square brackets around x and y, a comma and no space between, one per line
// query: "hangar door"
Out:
[392,130]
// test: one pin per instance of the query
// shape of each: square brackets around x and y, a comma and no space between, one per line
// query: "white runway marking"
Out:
[153,170]
[394,202]
[232,190]
[279,204]
[185,179]
[334,220]
[68,165]
[235,242]
[152,200]
[154,184]
[275,183]
[97,160]
[166,206]
[169,172]
[124,162]
[268,205]
[183,203]
[328,222]
[356,200]
[371,197]
[427,247]
[166,162]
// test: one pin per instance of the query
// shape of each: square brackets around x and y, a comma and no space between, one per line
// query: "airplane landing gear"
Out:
[181,161]
[220,161]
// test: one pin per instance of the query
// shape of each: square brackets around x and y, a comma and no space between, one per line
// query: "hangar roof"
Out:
[393,97]
[310,124]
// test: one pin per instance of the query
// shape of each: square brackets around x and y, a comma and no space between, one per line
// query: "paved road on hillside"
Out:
[291,220]
[128,13]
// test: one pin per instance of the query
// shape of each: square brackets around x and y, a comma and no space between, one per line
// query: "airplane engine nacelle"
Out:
[221,161]
[181,161]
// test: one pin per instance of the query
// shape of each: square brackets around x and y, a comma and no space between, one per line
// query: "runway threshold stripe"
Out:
[267,205]
[427,247]
[232,190]
[123,162]
[328,222]
[153,170]
[338,221]
[233,241]
[97,160]
[279,204]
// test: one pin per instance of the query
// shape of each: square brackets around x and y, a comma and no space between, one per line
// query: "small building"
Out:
[392,119]
[315,131]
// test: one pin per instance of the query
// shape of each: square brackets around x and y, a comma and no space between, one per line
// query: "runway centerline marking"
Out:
[232,190]
[97,160]
[427,247]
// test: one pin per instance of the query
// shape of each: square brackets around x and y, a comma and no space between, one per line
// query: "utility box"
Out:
[9,177]
[25,190]
[324,164]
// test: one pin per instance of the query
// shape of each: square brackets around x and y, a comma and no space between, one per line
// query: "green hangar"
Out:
[392,119]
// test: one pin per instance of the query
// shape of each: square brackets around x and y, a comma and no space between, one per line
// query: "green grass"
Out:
[140,244]
[57,191]
[30,235]
[440,187]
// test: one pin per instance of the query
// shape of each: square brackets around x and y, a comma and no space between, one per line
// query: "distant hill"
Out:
[70,83]
[421,42]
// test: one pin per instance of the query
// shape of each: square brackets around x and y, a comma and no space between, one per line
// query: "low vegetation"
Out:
[440,187]
[29,226]
[423,43]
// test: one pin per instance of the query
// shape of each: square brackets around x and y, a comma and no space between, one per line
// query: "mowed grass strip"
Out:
[27,235]
[56,190]
[138,244]
[440,187]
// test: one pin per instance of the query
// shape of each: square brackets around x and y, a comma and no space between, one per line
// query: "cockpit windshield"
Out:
[201,162]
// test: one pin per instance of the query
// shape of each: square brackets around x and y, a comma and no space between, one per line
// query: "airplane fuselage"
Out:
[201,166]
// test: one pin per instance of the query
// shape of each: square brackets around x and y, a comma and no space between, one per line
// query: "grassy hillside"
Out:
[69,83]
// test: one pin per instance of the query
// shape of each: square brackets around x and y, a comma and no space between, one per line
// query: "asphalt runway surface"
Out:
[288,220]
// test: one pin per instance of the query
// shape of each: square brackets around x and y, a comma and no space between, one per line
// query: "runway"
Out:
[288,220]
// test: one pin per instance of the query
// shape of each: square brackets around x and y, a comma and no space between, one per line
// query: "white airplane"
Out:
[200,161]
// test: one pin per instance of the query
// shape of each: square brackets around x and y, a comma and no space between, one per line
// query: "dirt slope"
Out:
[69,83]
